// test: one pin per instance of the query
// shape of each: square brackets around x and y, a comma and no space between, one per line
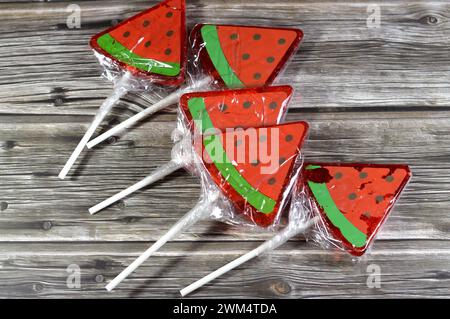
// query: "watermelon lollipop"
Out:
[258,193]
[227,109]
[241,177]
[233,56]
[245,56]
[244,108]
[150,47]
[150,44]
[353,199]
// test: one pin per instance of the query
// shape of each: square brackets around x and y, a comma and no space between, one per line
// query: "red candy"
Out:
[354,199]
[239,160]
[245,56]
[239,108]
[256,180]
[151,43]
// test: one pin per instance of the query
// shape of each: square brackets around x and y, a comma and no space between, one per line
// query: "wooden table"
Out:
[370,94]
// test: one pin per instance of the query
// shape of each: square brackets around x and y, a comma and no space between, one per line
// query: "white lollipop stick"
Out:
[282,237]
[166,102]
[119,91]
[160,173]
[194,215]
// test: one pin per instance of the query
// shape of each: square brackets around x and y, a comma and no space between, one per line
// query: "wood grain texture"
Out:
[373,95]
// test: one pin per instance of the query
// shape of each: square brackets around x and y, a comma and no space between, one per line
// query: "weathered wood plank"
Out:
[33,155]
[342,63]
[296,270]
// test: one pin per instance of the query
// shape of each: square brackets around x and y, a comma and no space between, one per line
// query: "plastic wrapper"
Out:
[236,147]
[351,201]
[146,51]
[238,56]
[230,109]
[151,46]
[257,183]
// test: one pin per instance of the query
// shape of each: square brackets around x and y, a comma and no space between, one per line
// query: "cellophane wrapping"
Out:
[250,118]
[349,203]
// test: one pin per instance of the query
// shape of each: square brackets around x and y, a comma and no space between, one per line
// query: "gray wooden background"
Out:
[370,94]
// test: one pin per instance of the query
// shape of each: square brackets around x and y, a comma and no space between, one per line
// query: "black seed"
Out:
[233,36]
[289,138]
[257,76]
[338,175]
[247,104]
[367,214]
[223,107]
[272,181]
[169,33]
[126,34]
[282,160]
[262,138]
[389,179]
[246,56]
[352,196]
[148,43]
[255,163]
[270,59]
[273,105]
[256,36]
[169,14]
[146,23]
[282,41]
[363,175]
[168,52]
[379,199]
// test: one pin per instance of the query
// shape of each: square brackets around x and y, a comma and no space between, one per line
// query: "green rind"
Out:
[348,230]
[214,49]
[311,167]
[220,159]
[121,53]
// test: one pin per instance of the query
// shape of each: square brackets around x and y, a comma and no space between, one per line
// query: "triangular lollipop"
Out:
[246,56]
[228,109]
[355,199]
[151,43]
[235,56]
[254,167]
